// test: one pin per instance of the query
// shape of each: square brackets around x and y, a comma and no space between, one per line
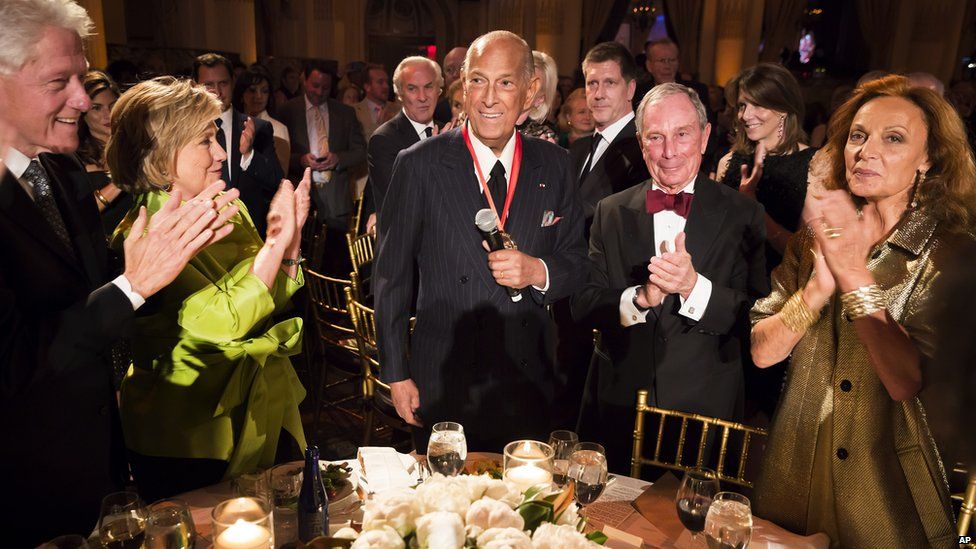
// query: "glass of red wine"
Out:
[122,523]
[588,471]
[698,489]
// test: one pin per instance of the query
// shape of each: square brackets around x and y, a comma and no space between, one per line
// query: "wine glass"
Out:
[588,470]
[562,443]
[447,448]
[698,487]
[122,521]
[253,484]
[169,525]
[728,524]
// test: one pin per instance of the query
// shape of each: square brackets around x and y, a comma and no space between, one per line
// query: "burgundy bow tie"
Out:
[658,200]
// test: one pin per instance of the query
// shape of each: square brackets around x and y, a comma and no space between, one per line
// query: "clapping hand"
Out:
[281,215]
[747,185]
[302,201]
[673,272]
[247,137]
[844,235]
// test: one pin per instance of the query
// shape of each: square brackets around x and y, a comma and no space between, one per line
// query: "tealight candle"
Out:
[528,463]
[243,523]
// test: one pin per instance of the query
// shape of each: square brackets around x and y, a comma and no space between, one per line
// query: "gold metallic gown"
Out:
[843,457]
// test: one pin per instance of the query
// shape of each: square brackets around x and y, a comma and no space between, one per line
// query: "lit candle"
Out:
[527,476]
[244,535]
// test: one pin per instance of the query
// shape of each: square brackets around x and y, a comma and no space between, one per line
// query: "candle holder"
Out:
[528,463]
[243,523]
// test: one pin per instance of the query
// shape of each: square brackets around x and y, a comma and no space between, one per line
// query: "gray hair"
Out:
[417,60]
[481,43]
[662,91]
[550,76]
[24,22]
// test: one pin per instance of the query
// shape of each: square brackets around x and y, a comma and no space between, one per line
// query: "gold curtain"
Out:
[877,23]
[685,19]
[779,26]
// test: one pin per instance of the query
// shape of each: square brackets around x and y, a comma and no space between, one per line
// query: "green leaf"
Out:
[597,536]
[535,513]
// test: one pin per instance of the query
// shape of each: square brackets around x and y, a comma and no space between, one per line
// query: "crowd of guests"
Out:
[152,244]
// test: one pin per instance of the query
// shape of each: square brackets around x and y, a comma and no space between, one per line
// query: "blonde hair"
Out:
[550,78]
[151,122]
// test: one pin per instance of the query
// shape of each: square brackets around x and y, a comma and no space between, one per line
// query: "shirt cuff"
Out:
[246,160]
[123,284]
[630,314]
[545,288]
[694,306]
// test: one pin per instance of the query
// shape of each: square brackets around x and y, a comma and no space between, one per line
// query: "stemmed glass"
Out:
[728,524]
[447,448]
[588,470]
[562,443]
[698,488]
[122,521]
[170,525]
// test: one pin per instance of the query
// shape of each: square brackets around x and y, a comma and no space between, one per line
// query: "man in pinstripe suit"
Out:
[476,356]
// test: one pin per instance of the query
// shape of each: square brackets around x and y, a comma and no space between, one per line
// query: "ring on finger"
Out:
[833,232]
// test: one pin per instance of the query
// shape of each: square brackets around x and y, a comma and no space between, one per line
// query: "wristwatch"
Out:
[636,305]
[293,262]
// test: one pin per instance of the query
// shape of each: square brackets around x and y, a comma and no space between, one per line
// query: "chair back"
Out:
[734,443]
[360,250]
[364,325]
[328,297]
[357,215]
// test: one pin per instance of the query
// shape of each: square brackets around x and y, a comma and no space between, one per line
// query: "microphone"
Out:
[487,223]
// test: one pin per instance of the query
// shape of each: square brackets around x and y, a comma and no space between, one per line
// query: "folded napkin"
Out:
[384,469]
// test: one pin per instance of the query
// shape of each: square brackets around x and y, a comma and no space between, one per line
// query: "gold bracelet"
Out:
[862,301]
[101,198]
[796,315]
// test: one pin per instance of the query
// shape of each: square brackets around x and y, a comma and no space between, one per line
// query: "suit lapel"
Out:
[524,213]
[238,128]
[708,211]
[74,198]
[638,230]
[405,129]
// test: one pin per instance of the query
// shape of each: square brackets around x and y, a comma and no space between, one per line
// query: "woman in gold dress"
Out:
[891,200]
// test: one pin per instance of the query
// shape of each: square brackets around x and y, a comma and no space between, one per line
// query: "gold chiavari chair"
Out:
[357,215]
[334,345]
[360,250]
[965,499]
[731,435]
[376,394]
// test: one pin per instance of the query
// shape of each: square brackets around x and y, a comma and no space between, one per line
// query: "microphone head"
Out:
[486,220]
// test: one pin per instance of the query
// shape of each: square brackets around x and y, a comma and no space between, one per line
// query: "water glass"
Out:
[286,485]
[588,470]
[728,524]
[170,525]
[122,521]
[562,443]
[253,484]
[447,448]
[694,497]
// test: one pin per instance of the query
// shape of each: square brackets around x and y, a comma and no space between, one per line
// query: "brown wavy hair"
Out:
[948,193]
[773,87]
[90,149]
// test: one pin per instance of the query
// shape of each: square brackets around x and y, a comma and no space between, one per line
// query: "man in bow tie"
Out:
[675,265]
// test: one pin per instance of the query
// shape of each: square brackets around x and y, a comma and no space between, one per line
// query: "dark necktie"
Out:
[658,200]
[44,199]
[597,138]
[222,141]
[498,186]
[428,131]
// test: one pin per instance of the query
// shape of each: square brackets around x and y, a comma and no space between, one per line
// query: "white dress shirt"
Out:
[313,134]
[608,135]
[227,124]
[420,129]
[18,163]
[667,225]
[486,160]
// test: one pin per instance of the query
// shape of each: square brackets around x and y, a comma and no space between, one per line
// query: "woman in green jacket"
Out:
[211,389]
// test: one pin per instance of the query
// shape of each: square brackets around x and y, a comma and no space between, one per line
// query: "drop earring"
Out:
[919,179]
[779,129]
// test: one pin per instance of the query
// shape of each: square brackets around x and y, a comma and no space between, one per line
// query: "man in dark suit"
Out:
[332,155]
[475,355]
[252,165]
[678,329]
[61,311]
[608,161]
[417,83]
[662,65]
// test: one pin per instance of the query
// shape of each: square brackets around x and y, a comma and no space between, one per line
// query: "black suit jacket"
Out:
[59,317]
[475,355]
[620,167]
[259,182]
[689,366]
[387,141]
[346,140]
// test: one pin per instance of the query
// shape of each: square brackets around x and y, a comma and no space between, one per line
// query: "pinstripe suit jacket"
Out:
[476,356]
